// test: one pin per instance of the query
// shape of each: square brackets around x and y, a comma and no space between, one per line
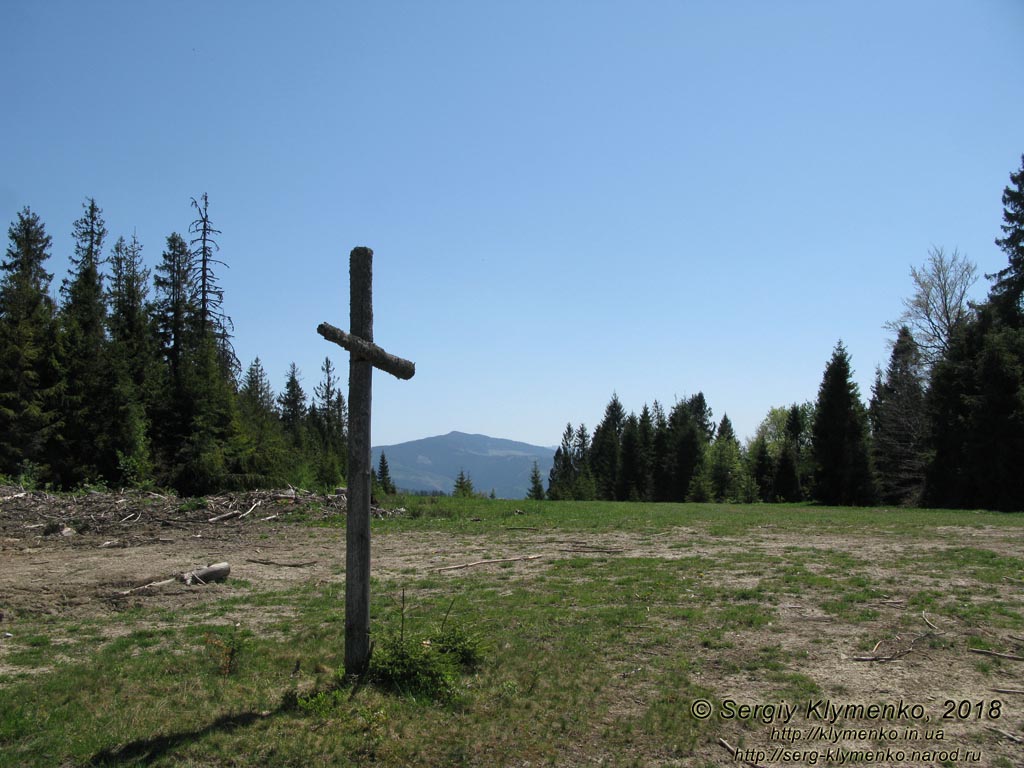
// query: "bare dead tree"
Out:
[939,302]
[212,317]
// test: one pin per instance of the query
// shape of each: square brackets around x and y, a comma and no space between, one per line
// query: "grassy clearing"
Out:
[585,655]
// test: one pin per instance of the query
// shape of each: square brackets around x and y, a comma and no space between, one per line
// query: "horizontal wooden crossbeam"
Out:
[368,351]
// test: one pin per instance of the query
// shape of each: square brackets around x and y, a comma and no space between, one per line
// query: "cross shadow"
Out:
[146,750]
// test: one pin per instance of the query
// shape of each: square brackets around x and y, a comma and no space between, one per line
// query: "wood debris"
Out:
[281,565]
[129,517]
[1009,656]
[899,654]
[211,573]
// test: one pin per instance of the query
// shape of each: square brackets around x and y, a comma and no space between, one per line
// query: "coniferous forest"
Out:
[130,379]
[943,426]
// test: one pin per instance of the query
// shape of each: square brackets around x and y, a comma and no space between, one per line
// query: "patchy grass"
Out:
[594,653]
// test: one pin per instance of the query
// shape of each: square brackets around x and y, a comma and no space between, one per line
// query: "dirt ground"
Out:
[78,558]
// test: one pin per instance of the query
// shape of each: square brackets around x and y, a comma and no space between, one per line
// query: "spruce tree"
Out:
[1009,285]
[995,429]
[646,470]
[952,391]
[762,469]
[977,416]
[536,492]
[562,477]
[687,443]
[798,437]
[724,465]
[899,425]
[87,402]
[173,321]
[29,376]
[584,487]
[330,418]
[840,437]
[702,415]
[210,458]
[463,486]
[786,482]
[198,426]
[976,413]
[132,354]
[176,305]
[293,408]
[264,458]
[661,460]
[630,486]
[605,450]
[384,475]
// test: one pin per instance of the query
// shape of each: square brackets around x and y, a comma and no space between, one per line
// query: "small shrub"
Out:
[413,668]
[224,651]
[465,649]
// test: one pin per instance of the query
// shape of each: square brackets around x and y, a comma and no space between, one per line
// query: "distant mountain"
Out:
[433,463]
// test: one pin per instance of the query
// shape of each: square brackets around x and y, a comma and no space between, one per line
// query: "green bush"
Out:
[414,668]
[465,649]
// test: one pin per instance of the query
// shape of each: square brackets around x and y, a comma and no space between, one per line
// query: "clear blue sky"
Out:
[564,198]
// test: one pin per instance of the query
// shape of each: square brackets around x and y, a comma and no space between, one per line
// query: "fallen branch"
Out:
[897,655]
[151,584]
[1007,690]
[1007,734]
[225,516]
[489,562]
[1009,656]
[923,616]
[612,550]
[215,572]
[250,509]
[893,657]
[271,517]
[282,565]
[732,751]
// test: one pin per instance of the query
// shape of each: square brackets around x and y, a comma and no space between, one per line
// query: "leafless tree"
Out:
[939,302]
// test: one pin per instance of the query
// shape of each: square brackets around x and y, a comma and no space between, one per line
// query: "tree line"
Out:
[130,378]
[943,427]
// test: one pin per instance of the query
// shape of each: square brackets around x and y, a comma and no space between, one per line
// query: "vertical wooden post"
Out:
[364,355]
[357,553]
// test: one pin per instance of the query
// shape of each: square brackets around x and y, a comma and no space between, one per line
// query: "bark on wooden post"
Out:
[357,549]
[364,357]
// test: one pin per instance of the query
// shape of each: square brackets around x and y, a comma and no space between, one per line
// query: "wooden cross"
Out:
[364,357]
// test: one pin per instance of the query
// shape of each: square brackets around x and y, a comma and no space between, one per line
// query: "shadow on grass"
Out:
[144,751]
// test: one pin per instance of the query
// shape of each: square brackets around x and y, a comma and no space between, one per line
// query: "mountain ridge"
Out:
[431,464]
